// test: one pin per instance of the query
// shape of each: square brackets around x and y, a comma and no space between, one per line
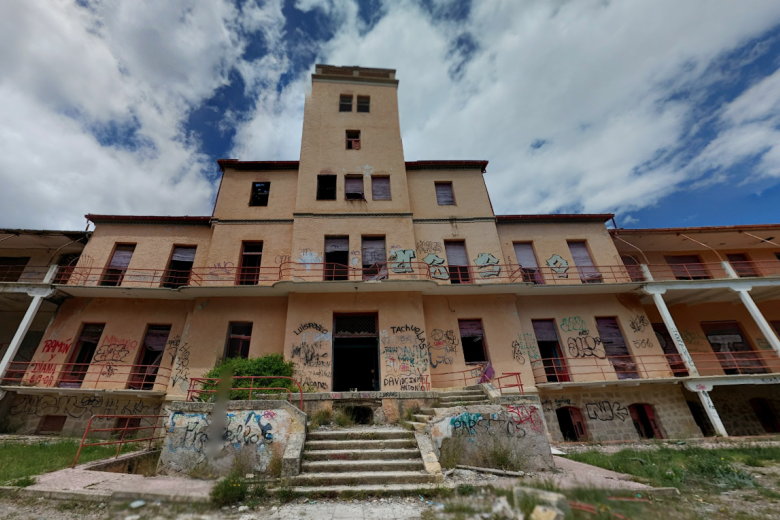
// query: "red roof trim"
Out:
[601,217]
[439,165]
[148,219]
[257,165]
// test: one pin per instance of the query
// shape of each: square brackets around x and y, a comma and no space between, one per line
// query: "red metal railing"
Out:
[325,271]
[736,363]
[470,374]
[208,386]
[513,381]
[105,375]
[127,421]
[23,273]
[713,270]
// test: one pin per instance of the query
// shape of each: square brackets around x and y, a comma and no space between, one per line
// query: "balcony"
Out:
[91,376]
[23,273]
[713,270]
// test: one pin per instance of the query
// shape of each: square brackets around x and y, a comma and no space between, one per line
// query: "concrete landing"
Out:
[572,474]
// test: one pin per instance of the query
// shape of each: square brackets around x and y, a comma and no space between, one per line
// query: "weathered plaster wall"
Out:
[737,413]
[235,193]
[468,188]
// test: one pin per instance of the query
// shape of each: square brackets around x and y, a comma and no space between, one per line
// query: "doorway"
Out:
[571,424]
[355,353]
[336,259]
[644,421]
[765,414]
[81,358]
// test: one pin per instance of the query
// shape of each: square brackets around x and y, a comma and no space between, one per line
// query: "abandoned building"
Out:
[380,278]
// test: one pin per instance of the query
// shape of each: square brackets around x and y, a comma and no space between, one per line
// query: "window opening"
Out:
[444,194]
[356,353]
[766,415]
[363,103]
[524,251]
[687,267]
[673,358]
[326,187]
[336,259]
[180,268]
[52,423]
[472,338]
[458,262]
[553,361]
[239,336]
[12,267]
[571,424]
[260,192]
[353,139]
[583,262]
[615,348]
[732,350]
[345,103]
[82,355]
[644,421]
[67,264]
[150,357]
[633,268]
[353,188]
[115,272]
[700,418]
[374,258]
[742,265]
[251,257]
[380,188]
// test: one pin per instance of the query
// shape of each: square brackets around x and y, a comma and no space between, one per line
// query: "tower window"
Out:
[444,194]
[353,188]
[326,187]
[260,191]
[353,139]
[363,103]
[345,104]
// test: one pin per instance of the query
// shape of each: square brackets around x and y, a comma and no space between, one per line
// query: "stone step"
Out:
[474,399]
[427,411]
[353,444]
[422,418]
[368,435]
[418,426]
[463,392]
[345,466]
[362,477]
[313,455]
[370,490]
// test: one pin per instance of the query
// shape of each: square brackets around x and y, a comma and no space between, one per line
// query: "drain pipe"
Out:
[725,265]
[761,239]
[644,267]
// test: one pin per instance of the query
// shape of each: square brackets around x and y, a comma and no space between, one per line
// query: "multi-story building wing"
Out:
[379,275]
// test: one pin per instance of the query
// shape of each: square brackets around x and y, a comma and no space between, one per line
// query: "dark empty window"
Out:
[374,258]
[458,262]
[239,336]
[444,194]
[149,357]
[326,187]
[473,340]
[180,268]
[260,191]
[553,361]
[118,265]
[363,103]
[251,256]
[353,188]
[11,267]
[80,359]
[380,188]
[345,103]
[687,267]
[616,349]
[52,423]
[67,263]
[353,139]
[336,258]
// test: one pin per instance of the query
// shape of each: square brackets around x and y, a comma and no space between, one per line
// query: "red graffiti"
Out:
[47,368]
[269,414]
[57,347]
[526,414]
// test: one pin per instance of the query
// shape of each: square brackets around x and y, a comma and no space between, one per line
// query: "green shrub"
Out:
[323,416]
[287,493]
[23,482]
[343,418]
[259,493]
[274,468]
[268,365]
[229,490]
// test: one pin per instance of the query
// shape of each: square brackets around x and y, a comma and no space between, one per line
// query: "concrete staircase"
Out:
[467,396]
[361,460]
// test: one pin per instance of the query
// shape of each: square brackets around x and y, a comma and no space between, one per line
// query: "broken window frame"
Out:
[115,270]
[323,190]
[353,139]
[250,274]
[364,104]
[345,103]
[354,195]
[243,341]
[258,198]
[463,340]
[179,275]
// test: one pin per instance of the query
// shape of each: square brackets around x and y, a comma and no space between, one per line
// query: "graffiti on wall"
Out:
[573,323]
[52,346]
[518,420]
[403,352]
[427,246]
[643,343]
[78,406]
[436,267]
[309,258]
[586,346]
[314,326]
[488,265]
[549,405]
[525,347]
[558,265]
[221,268]
[180,359]
[401,260]
[690,337]
[638,323]
[442,343]
[311,355]
[606,411]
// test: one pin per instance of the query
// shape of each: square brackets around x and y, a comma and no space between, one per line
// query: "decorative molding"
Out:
[352,215]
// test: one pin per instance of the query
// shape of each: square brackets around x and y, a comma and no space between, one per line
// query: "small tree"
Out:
[268,365]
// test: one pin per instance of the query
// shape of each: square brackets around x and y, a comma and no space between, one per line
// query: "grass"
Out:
[228,491]
[320,417]
[343,418]
[275,465]
[693,467]
[286,493]
[22,460]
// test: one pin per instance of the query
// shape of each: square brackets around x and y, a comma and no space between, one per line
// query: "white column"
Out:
[755,312]
[646,272]
[712,413]
[674,333]
[21,331]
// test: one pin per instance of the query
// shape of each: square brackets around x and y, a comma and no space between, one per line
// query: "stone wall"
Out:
[735,410]
[386,407]
[475,430]
[252,433]
[26,412]
[605,411]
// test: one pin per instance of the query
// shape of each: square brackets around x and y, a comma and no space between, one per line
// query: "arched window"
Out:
[632,266]
[571,424]
[644,421]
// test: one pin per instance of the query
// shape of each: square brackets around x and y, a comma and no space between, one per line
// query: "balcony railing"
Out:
[325,271]
[736,363]
[468,377]
[713,270]
[23,273]
[87,375]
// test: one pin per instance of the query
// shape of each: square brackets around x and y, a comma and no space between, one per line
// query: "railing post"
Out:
[89,425]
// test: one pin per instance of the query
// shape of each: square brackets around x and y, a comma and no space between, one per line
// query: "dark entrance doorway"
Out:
[644,421]
[765,414]
[572,426]
[355,352]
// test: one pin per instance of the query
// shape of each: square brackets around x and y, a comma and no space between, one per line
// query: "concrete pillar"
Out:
[674,333]
[646,272]
[729,270]
[758,317]
[712,413]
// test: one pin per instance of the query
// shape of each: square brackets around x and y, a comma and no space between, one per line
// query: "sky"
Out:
[666,113]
